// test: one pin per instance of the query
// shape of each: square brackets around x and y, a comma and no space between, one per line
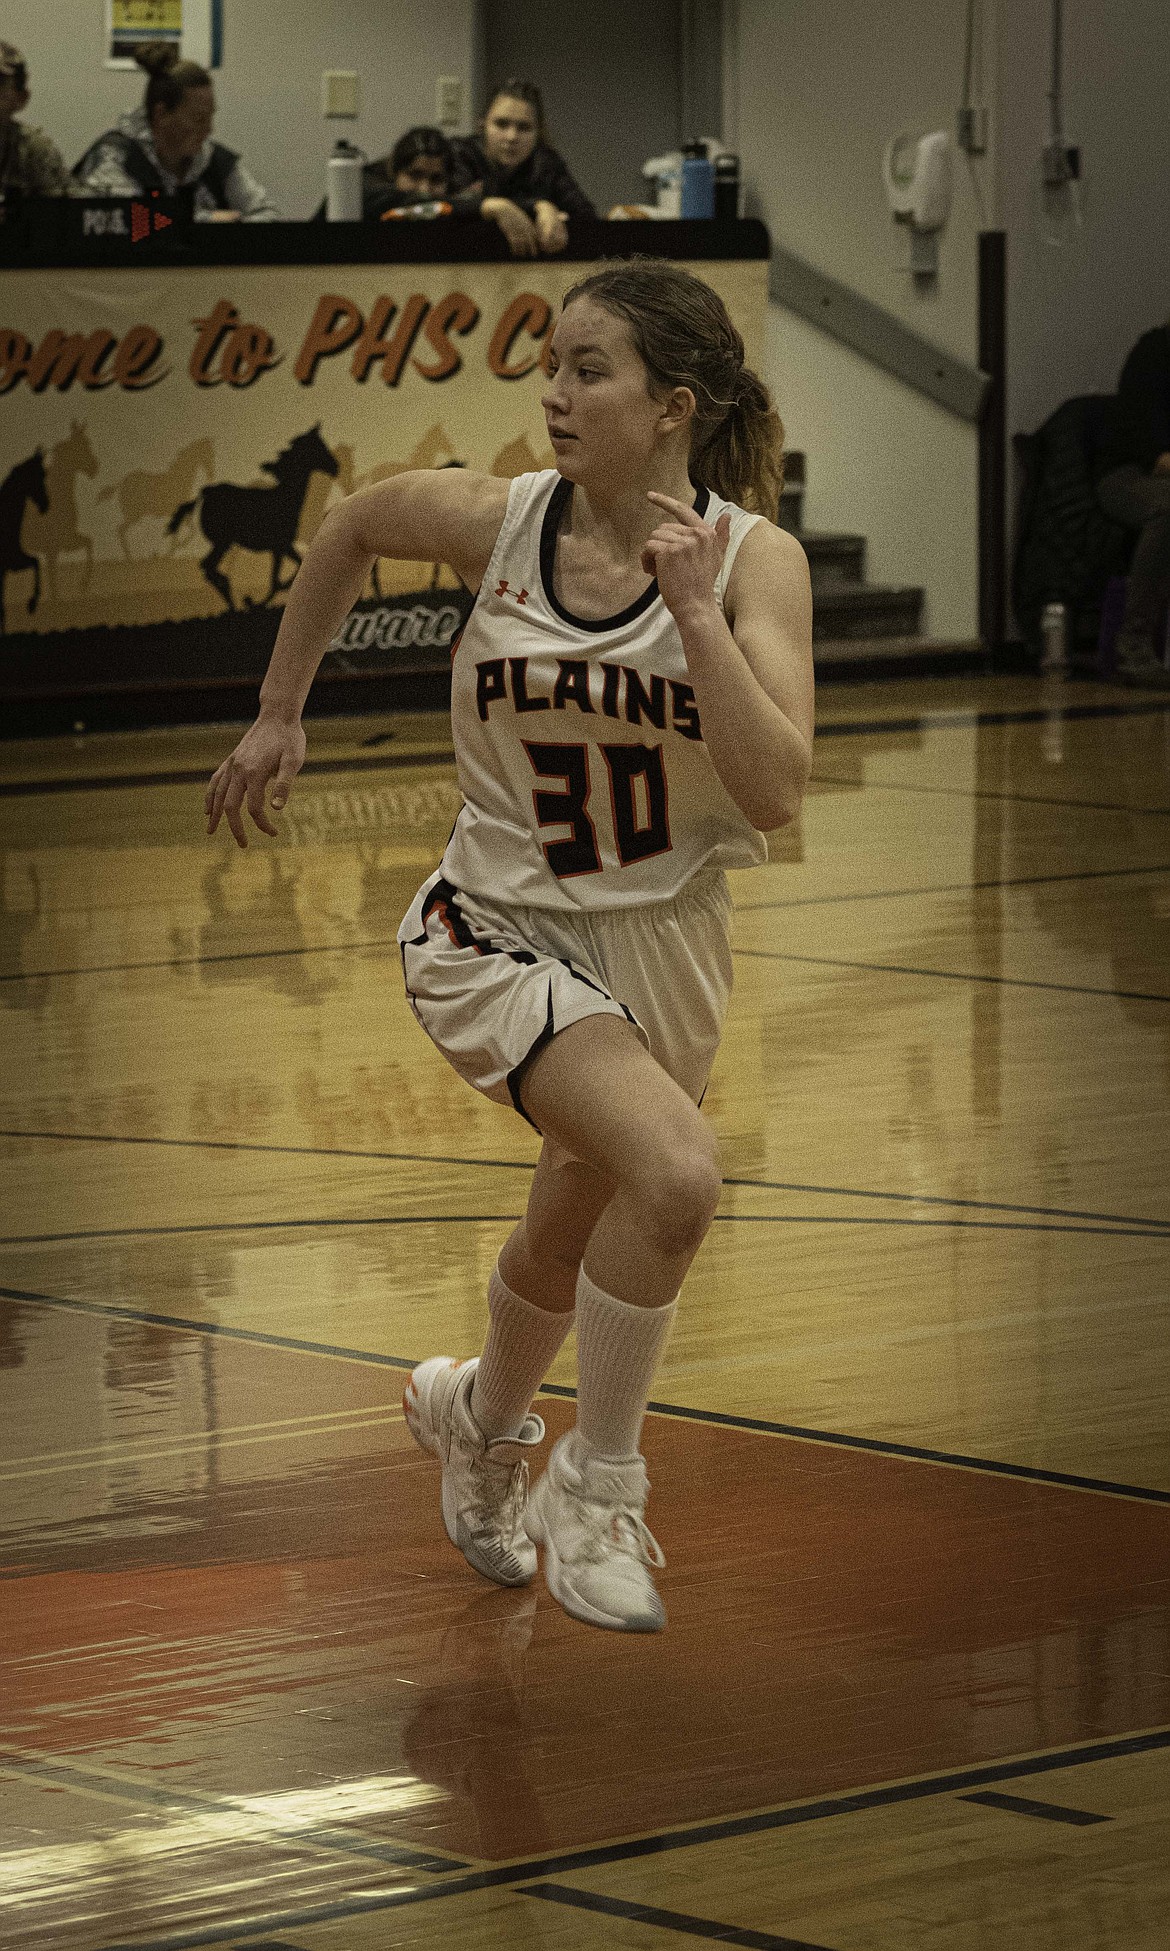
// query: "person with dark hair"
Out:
[30,163]
[415,176]
[1133,487]
[509,174]
[166,146]
[632,708]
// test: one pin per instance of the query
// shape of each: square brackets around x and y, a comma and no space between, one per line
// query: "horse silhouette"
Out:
[55,533]
[140,494]
[25,483]
[264,520]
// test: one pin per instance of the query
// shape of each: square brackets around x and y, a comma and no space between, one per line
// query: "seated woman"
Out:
[1133,487]
[166,146]
[416,175]
[509,174]
[29,161]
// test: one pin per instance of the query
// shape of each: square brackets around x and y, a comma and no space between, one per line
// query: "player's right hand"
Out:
[272,748]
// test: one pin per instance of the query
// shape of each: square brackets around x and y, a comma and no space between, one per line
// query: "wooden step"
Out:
[834,559]
[855,610]
[845,658]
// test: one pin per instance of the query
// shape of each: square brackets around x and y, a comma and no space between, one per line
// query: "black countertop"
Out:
[67,233]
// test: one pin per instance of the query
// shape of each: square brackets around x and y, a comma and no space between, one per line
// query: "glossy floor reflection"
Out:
[248,1693]
[246,1584]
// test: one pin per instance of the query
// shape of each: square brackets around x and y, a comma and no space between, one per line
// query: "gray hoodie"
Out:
[107,166]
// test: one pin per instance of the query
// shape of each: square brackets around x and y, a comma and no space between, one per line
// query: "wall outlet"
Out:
[449,101]
[339,93]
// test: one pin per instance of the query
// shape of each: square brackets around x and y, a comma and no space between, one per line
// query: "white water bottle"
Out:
[1054,639]
[343,183]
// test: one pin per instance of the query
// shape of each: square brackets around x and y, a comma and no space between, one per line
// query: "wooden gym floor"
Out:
[910,1450]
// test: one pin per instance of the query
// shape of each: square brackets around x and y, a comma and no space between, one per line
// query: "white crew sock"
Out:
[618,1347]
[518,1353]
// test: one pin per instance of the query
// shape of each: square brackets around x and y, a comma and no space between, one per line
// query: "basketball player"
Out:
[632,703]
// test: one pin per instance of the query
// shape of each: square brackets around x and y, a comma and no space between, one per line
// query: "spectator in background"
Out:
[509,174]
[29,161]
[415,175]
[1133,487]
[166,146]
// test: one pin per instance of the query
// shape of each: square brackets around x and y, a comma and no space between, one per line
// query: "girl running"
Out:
[620,742]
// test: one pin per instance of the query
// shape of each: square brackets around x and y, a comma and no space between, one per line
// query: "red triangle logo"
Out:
[161,222]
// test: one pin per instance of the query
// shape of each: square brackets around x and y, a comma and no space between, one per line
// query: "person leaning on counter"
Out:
[165,146]
[509,174]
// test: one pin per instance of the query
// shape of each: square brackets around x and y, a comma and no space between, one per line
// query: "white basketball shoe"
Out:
[588,1514]
[485,1480]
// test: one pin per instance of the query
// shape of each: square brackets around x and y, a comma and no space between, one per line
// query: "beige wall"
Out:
[269,90]
[821,89]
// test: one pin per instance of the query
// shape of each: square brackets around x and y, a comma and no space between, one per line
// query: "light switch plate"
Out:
[449,101]
[339,93]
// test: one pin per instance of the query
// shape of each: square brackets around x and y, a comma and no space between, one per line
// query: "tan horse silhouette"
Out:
[55,532]
[427,452]
[140,494]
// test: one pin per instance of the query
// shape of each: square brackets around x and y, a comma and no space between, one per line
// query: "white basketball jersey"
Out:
[585,779]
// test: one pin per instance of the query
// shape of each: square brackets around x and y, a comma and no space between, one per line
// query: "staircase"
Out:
[861,629]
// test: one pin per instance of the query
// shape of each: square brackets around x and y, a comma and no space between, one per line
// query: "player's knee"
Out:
[681,1198]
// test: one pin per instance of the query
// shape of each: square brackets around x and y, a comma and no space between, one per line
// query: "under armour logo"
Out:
[505,589]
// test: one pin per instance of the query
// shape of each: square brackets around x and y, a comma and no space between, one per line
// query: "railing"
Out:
[876,334]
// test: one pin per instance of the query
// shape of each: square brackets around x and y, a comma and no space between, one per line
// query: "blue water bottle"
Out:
[698,182]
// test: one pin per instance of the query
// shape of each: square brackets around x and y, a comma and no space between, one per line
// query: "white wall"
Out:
[269,89]
[1077,305]
[821,89]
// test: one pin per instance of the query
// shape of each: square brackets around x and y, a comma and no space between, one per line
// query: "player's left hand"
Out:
[686,554]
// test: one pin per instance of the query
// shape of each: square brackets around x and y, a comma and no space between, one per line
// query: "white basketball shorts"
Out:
[491,986]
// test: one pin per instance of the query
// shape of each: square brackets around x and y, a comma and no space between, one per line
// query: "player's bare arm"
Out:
[445,515]
[752,676]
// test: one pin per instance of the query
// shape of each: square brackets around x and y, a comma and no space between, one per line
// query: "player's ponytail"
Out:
[684,337]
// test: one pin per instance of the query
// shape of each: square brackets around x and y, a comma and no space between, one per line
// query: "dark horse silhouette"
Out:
[25,483]
[264,520]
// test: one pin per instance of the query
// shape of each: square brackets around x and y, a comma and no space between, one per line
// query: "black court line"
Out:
[199,775]
[954,887]
[197,961]
[667,1920]
[744,907]
[527,1165]
[298,1836]
[953,975]
[957,720]
[877,1446]
[717,1831]
[984,792]
[960,720]
[344,1220]
[1021,1806]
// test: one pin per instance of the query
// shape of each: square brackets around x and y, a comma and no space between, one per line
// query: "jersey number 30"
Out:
[641,825]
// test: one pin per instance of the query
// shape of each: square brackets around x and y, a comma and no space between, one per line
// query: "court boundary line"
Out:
[790,1815]
[871,1445]
[956,719]
[983,792]
[952,975]
[953,887]
[1155,1231]
[528,1165]
[745,907]
[636,1912]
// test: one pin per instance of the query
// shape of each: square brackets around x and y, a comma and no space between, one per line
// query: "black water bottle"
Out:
[726,188]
